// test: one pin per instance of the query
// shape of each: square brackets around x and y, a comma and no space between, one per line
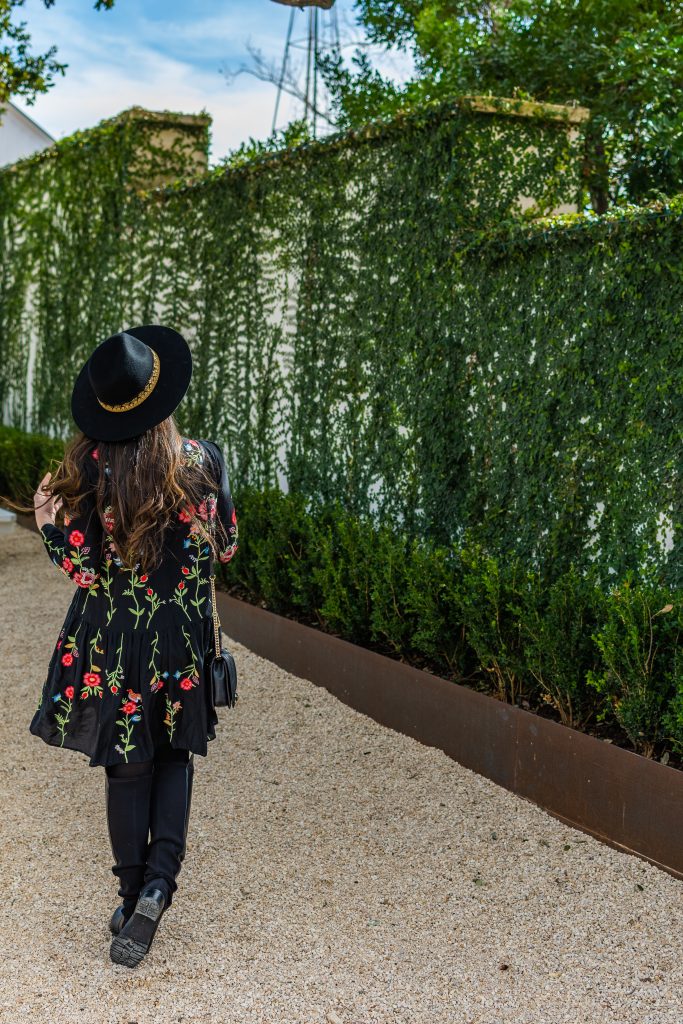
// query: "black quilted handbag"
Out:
[221,664]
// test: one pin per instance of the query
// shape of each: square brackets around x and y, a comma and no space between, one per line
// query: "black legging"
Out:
[148,809]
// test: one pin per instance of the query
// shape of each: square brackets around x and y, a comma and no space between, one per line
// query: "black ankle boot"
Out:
[121,915]
[128,810]
[169,817]
[136,937]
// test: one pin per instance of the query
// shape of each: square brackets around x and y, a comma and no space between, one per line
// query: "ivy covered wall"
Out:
[368,323]
[567,340]
[66,243]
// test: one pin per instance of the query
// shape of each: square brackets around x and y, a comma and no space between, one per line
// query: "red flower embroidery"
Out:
[181,585]
[149,591]
[129,708]
[226,555]
[76,538]
[85,578]
[67,659]
[95,453]
[59,644]
[91,679]
[185,684]
[184,570]
[114,689]
[67,564]
[143,578]
[69,692]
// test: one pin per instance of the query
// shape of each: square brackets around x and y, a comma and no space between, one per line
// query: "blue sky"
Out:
[168,55]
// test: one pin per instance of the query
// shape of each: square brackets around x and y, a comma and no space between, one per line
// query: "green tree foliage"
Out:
[294,134]
[621,58]
[23,73]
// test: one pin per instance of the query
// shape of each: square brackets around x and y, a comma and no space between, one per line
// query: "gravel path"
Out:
[336,873]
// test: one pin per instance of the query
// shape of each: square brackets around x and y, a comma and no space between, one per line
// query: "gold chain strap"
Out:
[216,625]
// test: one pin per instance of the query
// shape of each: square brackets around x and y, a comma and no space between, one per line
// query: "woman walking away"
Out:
[146,513]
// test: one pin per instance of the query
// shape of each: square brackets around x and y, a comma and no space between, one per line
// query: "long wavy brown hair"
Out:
[148,483]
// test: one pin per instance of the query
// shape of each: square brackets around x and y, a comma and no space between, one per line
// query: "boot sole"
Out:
[135,938]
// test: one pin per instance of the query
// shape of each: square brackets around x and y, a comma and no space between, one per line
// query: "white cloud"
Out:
[158,83]
[107,75]
[123,59]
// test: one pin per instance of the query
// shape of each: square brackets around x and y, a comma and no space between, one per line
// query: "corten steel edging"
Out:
[628,801]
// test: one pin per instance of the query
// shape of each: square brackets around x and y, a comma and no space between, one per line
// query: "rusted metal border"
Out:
[630,802]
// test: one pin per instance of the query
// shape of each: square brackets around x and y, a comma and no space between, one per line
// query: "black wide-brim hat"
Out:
[131,382]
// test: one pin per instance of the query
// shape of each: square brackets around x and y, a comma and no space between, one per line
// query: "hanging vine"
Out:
[375,320]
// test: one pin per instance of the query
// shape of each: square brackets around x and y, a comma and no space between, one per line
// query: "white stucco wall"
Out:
[19,135]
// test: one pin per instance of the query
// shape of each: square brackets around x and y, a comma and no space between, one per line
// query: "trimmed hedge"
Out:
[606,660]
[609,660]
[24,461]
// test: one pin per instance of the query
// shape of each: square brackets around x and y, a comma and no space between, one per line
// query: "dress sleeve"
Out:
[225,507]
[77,550]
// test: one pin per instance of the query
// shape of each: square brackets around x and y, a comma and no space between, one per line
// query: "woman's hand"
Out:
[46,506]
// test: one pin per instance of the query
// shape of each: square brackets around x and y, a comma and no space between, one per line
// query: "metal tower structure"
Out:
[322,34]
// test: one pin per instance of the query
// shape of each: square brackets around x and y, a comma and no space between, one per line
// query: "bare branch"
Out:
[268,71]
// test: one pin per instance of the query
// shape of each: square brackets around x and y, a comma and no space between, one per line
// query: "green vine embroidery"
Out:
[131,712]
[107,581]
[172,710]
[136,583]
[91,590]
[92,680]
[194,573]
[71,651]
[115,675]
[179,597]
[66,704]
[192,453]
[155,603]
[156,681]
[189,675]
[188,641]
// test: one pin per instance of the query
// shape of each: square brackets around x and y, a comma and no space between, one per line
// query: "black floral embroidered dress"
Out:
[127,671]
